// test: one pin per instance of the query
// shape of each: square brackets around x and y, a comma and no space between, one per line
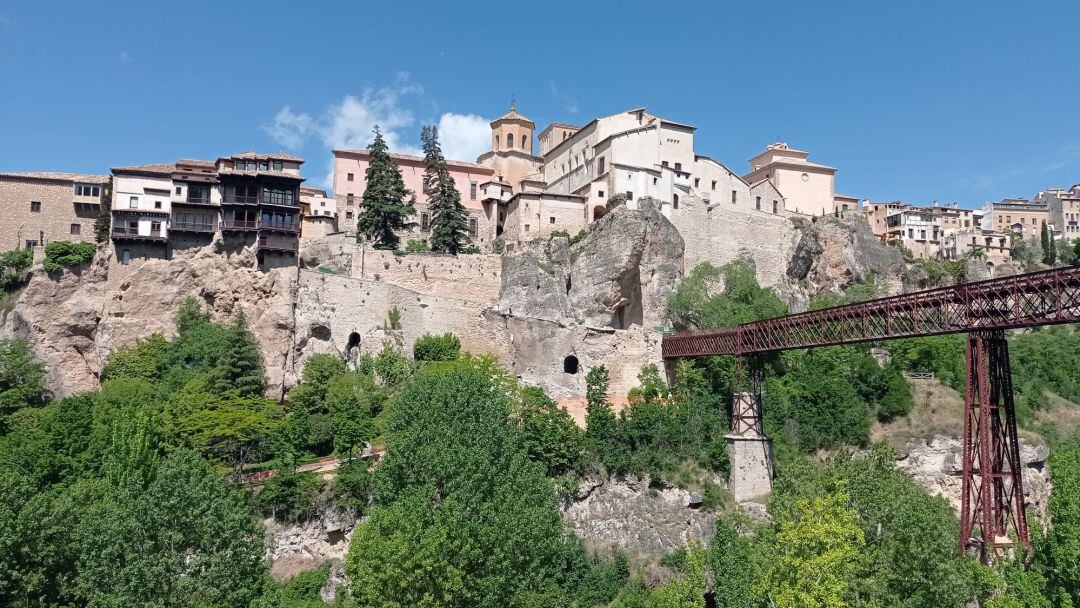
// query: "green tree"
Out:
[696,304]
[383,208]
[453,453]
[730,558]
[353,400]
[688,590]
[238,430]
[13,267]
[817,546]
[436,348]
[548,433]
[65,254]
[21,378]
[1046,238]
[449,219]
[239,370]
[1058,555]
[601,425]
[103,222]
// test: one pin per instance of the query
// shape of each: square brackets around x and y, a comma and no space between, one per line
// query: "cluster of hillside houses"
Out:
[526,187]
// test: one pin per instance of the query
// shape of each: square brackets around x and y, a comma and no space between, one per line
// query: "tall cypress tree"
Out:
[449,219]
[386,204]
[1046,244]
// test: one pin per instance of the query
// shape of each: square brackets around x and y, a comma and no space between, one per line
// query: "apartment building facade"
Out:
[248,198]
[1019,216]
[1063,210]
[37,208]
[350,181]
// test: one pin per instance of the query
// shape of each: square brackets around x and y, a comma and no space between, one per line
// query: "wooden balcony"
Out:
[274,242]
[239,225]
[195,202]
[232,199]
[279,226]
[201,227]
[123,233]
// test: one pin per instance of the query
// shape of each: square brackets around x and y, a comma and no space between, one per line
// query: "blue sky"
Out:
[916,101]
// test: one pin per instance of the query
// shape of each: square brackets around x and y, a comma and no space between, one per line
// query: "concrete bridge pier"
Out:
[749,449]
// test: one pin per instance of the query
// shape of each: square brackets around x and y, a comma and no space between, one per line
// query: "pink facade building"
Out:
[350,169]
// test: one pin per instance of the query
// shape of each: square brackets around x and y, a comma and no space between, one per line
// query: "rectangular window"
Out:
[349,199]
[472,227]
[30,244]
[178,189]
[155,228]
[133,202]
[678,166]
[127,257]
[774,207]
[87,190]
[714,184]
[35,207]
[263,166]
[663,163]
[629,195]
[757,203]
[472,191]
[348,215]
[278,166]
[526,227]
[600,166]
[425,222]
[600,193]
[734,193]
[76,229]
[697,182]
[551,220]
[349,177]
[654,181]
[157,204]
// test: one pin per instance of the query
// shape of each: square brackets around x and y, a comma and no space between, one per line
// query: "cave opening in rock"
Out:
[631,311]
[570,365]
[354,341]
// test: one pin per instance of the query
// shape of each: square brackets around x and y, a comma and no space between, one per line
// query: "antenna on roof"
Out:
[513,102]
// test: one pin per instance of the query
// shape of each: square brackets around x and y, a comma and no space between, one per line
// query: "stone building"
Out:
[808,186]
[1019,216]
[318,212]
[917,229]
[40,207]
[350,170]
[249,199]
[1063,210]
[993,246]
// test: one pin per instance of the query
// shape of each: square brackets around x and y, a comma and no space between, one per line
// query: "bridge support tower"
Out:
[748,447]
[992,518]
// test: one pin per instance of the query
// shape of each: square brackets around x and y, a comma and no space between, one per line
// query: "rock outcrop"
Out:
[936,464]
[626,515]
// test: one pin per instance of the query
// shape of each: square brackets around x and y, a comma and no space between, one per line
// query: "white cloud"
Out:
[290,129]
[349,124]
[464,136]
[126,57]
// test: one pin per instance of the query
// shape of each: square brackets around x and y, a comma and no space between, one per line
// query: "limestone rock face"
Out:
[620,275]
[834,252]
[936,464]
[75,319]
[623,272]
[626,515]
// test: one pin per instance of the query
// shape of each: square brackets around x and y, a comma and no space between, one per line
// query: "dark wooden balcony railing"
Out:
[233,199]
[279,226]
[194,201]
[278,243]
[193,226]
[230,224]
[125,232]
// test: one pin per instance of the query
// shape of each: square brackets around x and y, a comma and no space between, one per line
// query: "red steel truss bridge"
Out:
[992,511]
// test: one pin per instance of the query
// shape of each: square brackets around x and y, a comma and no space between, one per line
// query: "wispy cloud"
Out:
[570,104]
[126,57]
[1065,157]
[350,123]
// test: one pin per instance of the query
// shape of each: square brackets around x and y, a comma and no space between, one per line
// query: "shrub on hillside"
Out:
[436,348]
[289,496]
[64,254]
[13,267]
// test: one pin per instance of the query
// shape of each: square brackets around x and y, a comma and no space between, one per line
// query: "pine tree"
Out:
[449,220]
[1046,243]
[386,204]
[239,370]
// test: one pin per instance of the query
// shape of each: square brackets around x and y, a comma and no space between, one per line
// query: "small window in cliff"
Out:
[570,365]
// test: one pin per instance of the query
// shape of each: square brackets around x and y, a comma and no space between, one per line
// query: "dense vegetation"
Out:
[64,254]
[127,496]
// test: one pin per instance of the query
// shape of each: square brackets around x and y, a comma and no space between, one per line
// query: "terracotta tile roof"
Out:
[196,162]
[270,173]
[312,191]
[56,176]
[152,168]
[420,159]
[511,115]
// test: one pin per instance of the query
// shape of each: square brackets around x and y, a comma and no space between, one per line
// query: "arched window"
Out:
[509,140]
[675,201]
[498,141]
